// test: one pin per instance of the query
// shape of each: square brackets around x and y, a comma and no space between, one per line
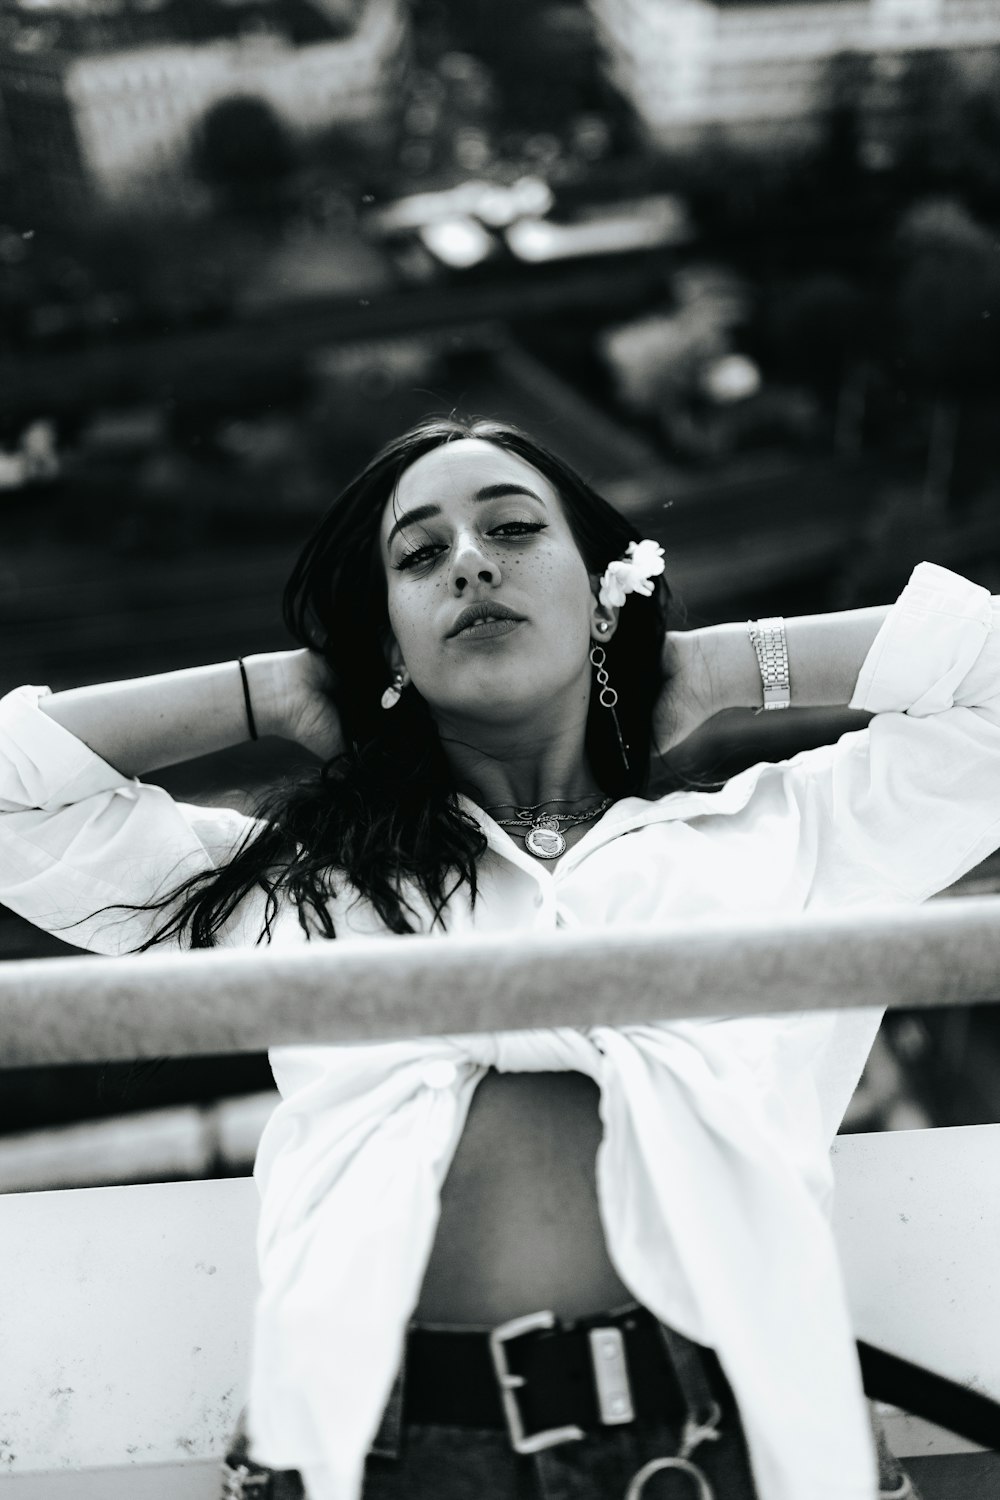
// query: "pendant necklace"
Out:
[541,830]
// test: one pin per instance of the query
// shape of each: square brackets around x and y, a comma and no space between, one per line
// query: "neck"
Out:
[511,768]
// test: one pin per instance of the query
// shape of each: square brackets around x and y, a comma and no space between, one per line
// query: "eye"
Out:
[418,556]
[517,528]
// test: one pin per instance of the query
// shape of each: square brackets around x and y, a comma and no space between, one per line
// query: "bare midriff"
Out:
[520,1229]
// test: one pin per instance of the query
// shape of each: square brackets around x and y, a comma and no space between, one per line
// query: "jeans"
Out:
[449,1463]
[701,1458]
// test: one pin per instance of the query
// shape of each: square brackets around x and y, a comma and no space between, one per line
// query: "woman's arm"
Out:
[715,667]
[905,806]
[144,723]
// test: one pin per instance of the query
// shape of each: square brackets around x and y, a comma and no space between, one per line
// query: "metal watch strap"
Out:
[768,638]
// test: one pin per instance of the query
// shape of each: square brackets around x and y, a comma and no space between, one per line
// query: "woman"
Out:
[485,671]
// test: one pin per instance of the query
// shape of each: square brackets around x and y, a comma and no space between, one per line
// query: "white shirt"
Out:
[713,1177]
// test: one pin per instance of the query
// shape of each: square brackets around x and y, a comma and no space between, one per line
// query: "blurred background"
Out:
[735,260]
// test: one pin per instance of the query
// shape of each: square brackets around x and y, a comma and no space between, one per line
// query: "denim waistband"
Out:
[409,1461]
[703,1388]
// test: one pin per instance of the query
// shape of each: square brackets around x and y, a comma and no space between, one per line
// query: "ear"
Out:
[394,657]
[603,619]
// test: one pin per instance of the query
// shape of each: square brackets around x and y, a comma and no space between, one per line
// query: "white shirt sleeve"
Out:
[77,837]
[903,808]
[891,813]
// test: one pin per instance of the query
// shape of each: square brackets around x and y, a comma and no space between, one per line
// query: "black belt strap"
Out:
[450,1380]
[944,1402]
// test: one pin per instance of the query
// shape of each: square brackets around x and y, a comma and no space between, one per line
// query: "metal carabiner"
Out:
[694,1434]
[639,1480]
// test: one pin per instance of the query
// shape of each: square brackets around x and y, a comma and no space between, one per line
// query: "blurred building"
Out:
[107,101]
[762,66]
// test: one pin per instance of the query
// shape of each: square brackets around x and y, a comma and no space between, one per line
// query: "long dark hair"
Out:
[382,816]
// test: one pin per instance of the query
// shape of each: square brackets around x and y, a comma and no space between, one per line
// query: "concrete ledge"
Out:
[126,1324]
[179,1481]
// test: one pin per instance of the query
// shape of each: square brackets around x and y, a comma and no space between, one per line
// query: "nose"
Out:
[472,564]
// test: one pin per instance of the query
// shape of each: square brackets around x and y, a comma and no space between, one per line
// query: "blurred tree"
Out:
[980,158]
[845,86]
[948,317]
[949,130]
[545,57]
[245,155]
[816,326]
[926,143]
[816,336]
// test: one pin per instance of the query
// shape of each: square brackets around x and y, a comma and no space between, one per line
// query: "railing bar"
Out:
[381,988]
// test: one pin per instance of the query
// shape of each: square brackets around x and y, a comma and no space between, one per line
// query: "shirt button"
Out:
[440,1074]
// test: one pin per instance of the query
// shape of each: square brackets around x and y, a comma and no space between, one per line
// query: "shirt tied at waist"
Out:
[556,1050]
[709,1222]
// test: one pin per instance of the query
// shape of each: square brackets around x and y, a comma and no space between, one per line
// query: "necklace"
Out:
[540,830]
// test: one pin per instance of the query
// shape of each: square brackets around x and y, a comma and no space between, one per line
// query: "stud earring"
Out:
[394,691]
[603,626]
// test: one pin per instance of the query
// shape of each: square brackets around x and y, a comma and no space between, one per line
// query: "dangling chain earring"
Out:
[607,697]
[393,692]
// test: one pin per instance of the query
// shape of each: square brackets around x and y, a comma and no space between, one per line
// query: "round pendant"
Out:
[546,843]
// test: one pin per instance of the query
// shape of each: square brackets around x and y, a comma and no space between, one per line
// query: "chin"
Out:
[493,706]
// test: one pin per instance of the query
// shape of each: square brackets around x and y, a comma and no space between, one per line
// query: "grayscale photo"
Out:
[499,749]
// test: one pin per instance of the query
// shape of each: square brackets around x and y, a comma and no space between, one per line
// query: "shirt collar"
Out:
[627,815]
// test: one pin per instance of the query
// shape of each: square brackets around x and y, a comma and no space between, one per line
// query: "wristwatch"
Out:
[768,637]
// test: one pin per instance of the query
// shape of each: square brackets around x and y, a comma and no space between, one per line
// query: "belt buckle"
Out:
[510,1384]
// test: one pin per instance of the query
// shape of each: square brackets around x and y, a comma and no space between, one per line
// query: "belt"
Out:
[547,1382]
[543,1381]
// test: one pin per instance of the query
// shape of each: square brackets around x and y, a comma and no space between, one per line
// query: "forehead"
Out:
[454,472]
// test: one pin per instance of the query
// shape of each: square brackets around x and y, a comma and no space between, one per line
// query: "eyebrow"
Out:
[488,492]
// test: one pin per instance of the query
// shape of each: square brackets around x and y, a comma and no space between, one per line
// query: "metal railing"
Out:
[170,1004]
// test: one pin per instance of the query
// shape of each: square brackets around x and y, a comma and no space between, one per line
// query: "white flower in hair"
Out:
[631,574]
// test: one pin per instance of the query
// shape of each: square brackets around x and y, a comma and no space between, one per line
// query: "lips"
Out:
[484,619]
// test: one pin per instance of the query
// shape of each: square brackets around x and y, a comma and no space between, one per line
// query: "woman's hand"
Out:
[291,693]
[690,696]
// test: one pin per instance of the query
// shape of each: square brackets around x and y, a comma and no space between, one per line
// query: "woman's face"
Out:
[490,603]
